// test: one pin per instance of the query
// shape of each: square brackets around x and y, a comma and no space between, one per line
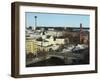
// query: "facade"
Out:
[50,41]
[31,46]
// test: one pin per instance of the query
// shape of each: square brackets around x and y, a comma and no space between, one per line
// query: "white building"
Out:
[50,41]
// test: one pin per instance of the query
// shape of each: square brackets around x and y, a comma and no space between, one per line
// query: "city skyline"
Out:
[54,19]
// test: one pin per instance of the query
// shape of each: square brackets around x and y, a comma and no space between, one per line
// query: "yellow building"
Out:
[31,46]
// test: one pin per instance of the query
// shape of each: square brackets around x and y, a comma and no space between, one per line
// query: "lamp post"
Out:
[35,22]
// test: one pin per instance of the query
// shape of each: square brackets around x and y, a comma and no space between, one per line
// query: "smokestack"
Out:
[81,33]
[80,26]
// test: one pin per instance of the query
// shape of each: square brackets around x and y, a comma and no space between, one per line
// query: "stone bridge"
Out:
[67,57]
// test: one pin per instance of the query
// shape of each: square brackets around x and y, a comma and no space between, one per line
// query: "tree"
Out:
[40,39]
[76,40]
[30,27]
[30,55]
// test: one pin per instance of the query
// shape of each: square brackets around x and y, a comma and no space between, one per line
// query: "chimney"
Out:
[81,34]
